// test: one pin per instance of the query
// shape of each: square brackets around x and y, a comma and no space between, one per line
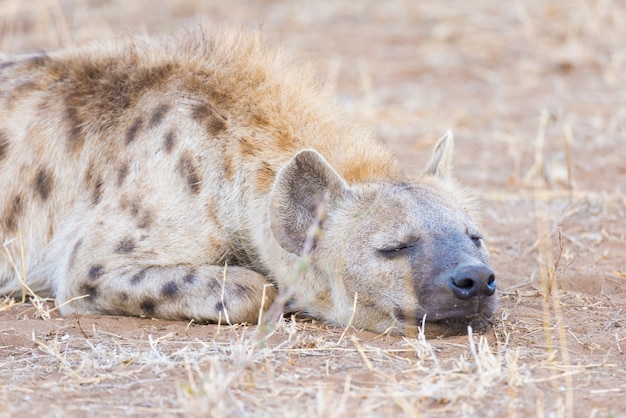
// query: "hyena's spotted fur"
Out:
[176,178]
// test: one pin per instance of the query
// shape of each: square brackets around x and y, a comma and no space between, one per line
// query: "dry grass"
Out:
[538,93]
[296,369]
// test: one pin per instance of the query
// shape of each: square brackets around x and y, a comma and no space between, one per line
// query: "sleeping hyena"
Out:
[179,178]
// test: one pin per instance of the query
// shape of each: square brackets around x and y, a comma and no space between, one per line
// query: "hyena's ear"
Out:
[441,159]
[302,189]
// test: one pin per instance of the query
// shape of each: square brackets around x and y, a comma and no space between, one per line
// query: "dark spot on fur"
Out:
[220,307]
[92,72]
[39,60]
[93,180]
[214,286]
[134,208]
[209,117]
[216,125]
[125,246]
[74,253]
[148,306]
[75,131]
[4,146]
[201,111]
[170,140]
[138,277]
[190,172]
[6,64]
[89,174]
[157,115]
[43,183]
[145,221]
[265,177]
[241,291]
[89,289]
[123,297]
[190,278]
[144,217]
[170,289]
[95,271]
[13,213]
[122,172]
[97,192]
[131,134]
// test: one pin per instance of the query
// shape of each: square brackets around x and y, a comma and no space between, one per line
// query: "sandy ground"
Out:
[536,95]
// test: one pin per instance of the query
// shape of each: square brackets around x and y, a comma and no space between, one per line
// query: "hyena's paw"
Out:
[205,293]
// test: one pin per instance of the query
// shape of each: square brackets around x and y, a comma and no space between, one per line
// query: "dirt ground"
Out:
[536,95]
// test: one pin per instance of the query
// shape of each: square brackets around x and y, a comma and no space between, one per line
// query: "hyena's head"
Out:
[408,251]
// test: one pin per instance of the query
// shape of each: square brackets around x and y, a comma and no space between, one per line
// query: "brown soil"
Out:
[536,96]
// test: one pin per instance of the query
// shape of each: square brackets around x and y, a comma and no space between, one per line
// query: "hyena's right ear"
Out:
[441,160]
[301,190]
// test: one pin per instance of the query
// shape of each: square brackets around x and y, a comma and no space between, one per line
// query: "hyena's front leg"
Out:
[204,293]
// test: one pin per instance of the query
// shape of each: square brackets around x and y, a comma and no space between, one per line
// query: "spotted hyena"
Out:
[206,176]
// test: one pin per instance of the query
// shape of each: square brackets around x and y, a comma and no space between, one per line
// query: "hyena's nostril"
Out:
[490,289]
[464,287]
[468,281]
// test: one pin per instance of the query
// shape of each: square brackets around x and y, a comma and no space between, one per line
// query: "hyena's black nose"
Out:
[471,280]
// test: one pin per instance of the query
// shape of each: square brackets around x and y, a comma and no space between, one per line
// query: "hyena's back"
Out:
[135,171]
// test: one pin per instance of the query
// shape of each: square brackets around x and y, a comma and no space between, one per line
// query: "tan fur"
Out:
[137,170]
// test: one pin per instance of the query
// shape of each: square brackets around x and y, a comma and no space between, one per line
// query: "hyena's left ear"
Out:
[301,190]
[441,159]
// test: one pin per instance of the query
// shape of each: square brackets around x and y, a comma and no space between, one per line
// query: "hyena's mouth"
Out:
[464,312]
[445,326]
[478,322]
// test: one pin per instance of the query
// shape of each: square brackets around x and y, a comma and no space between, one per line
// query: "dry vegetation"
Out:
[536,94]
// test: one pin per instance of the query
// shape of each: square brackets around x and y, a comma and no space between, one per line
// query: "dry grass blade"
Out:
[343,334]
[547,270]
